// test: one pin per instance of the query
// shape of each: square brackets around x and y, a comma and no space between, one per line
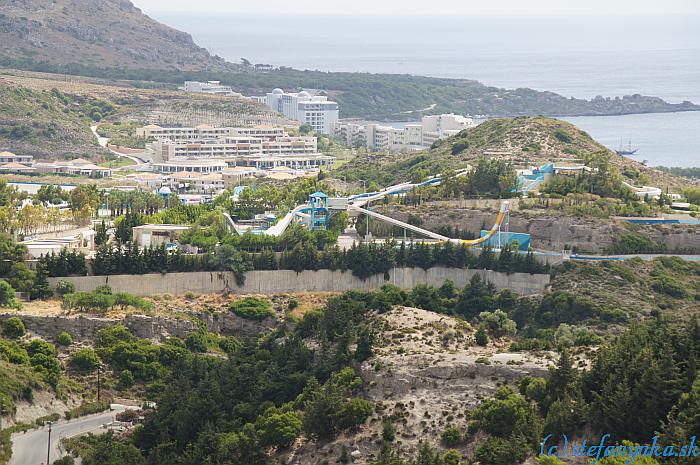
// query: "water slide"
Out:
[395,222]
[387,219]
[232,226]
[281,226]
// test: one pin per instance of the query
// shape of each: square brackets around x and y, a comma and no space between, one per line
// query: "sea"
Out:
[579,56]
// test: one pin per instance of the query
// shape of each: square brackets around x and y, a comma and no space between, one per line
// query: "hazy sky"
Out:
[435,7]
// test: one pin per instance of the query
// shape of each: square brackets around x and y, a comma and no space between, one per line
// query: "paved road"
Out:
[103,141]
[30,448]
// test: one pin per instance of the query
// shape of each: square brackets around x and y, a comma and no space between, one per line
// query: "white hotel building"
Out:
[410,137]
[205,131]
[231,147]
[317,111]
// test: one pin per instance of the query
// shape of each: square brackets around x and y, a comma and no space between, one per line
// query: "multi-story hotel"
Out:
[206,131]
[409,137]
[230,147]
[317,111]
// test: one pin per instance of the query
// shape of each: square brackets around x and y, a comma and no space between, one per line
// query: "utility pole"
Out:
[367,223]
[2,410]
[99,369]
[48,448]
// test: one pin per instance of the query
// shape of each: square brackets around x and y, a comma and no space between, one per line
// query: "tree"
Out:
[101,235]
[7,295]
[353,413]
[126,379]
[85,359]
[498,323]
[64,287]
[482,335]
[41,288]
[278,428]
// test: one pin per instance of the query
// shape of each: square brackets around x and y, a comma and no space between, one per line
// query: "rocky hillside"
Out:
[524,141]
[100,33]
[49,117]
[427,374]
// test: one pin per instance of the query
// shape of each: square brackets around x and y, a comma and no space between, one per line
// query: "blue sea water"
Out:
[574,56]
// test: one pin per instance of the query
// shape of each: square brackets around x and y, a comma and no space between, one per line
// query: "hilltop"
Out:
[114,39]
[524,141]
[101,33]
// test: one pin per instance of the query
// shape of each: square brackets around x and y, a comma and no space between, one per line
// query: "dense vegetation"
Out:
[403,96]
[364,260]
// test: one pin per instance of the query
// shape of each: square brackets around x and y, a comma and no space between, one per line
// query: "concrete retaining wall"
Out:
[281,281]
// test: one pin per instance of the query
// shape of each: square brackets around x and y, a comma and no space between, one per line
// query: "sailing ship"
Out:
[626,150]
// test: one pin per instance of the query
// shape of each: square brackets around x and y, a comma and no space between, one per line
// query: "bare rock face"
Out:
[97,33]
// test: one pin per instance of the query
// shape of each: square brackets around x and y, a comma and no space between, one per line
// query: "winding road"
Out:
[29,448]
[104,141]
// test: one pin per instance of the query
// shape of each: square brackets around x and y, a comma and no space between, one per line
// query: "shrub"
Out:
[353,413]
[85,360]
[293,303]
[64,339]
[64,287]
[252,308]
[667,285]
[277,428]
[7,295]
[13,328]
[196,342]
[388,430]
[482,336]
[87,409]
[498,323]
[67,460]
[451,436]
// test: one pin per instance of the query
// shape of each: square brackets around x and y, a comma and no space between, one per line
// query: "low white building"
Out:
[205,131]
[178,165]
[84,242]
[78,167]
[155,235]
[209,87]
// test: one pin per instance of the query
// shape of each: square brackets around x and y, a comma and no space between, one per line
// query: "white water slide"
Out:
[281,226]
[387,219]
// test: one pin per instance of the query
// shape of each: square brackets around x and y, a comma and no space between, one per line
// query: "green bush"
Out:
[667,285]
[7,295]
[85,360]
[64,339]
[13,328]
[353,413]
[64,287]
[451,436]
[126,379]
[278,428]
[252,308]
[498,323]
[87,409]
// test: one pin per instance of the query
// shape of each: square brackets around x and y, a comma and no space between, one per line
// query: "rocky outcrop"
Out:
[86,327]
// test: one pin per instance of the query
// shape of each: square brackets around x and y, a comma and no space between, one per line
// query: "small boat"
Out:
[626,150]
